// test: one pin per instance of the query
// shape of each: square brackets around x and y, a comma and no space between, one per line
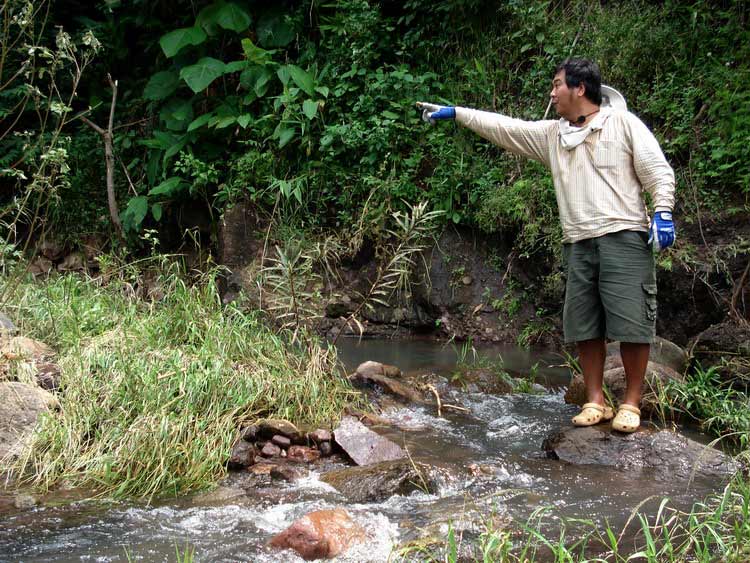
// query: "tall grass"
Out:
[153,393]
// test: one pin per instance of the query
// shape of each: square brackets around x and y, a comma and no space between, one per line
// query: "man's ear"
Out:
[580,89]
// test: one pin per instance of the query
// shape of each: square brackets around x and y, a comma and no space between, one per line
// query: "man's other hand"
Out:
[433,112]
[662,233]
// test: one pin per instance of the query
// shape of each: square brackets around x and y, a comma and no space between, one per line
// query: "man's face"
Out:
[563,98]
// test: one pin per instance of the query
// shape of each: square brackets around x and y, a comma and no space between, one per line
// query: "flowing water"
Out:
[493,469]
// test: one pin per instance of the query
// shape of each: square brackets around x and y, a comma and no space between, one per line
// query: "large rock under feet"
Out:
[669,454]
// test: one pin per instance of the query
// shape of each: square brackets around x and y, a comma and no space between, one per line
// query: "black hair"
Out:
[586,72]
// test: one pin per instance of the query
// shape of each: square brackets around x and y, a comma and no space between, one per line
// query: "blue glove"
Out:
[662,233]
[433,112]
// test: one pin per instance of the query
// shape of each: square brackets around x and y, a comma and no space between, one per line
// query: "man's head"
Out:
[576,88]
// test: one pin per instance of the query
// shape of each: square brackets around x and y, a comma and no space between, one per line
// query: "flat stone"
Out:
[269,427]
[281,441]
[320,435]
[285,473]
[364,446]
[368,368]
[669,454]
[303,454]
[380,481]
[270,450]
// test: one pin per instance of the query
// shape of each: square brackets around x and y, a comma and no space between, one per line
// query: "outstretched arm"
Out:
[526,138]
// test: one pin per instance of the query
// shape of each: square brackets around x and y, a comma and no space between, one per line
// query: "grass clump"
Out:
[152,393]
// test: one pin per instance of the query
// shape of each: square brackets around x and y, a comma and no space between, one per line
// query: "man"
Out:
[602,160]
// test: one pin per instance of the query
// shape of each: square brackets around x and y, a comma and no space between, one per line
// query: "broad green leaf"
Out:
[257,79]
[285,135]
[175,148]
[199,122]
[244,120]
[322,90]
[231,16]
[133,215]
[207,18]
[177,114]
[172,42]
[202,73]
[309,108]
[161,85]
[235,66]
[303,79]
[156,210]
[226,122]
[255,54]
[274,31]
[390,115]
[169,187]
[284,74]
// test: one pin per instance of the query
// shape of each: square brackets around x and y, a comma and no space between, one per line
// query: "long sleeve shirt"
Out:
[599,184]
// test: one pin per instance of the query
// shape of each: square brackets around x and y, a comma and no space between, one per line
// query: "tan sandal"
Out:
[628,419]
[592,413]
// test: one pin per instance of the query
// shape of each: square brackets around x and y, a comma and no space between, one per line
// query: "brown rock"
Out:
[269,427]
[40,266]
[250,433]
[281,441]
[320,435]
[325,449]
[285,473]
[388,384]
[369,368]
[320,534]
[270,450]
[261,468]
[75,262]
[27,348]
[243,455]
[303,454]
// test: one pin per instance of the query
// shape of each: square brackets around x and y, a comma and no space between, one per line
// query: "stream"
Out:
[494,469]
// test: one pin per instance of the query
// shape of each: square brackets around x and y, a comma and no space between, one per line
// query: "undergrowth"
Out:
[153,392]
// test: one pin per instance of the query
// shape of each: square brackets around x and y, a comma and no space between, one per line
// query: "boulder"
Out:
[380,481]
[285,473]
[74,262]
[320,435]
[383,376]
[281,441]
[270,427]
[26,348]
[614,378]
[320,534]
[364,446]
[369,368]
[270,450]
[20,407]
[668,454]
[243,454]
[7,328]
[662,352]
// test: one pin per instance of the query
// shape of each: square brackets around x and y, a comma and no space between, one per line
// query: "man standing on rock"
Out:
[602,160]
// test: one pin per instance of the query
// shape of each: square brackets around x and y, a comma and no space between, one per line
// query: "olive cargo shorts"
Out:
[611,288]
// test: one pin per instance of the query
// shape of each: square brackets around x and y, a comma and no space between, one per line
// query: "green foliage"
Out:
[156,391]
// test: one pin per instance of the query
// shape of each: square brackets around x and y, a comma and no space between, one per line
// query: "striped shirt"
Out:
[599,184]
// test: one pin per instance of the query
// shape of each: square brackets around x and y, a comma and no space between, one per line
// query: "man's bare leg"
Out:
[635,361]
[591,354]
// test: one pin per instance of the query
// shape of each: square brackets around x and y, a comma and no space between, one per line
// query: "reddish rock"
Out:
[320,534]
[303,453]
[320,435]
[270,450]
[261,468]
[281,441]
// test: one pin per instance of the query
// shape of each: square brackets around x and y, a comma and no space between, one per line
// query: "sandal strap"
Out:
[630,408]
[595,406]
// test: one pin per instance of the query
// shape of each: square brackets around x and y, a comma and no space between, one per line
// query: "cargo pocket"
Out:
[650,293]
